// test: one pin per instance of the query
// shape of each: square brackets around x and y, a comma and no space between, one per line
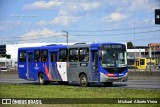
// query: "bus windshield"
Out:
[113,56]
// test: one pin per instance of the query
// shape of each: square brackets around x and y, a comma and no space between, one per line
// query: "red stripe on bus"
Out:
[47,72]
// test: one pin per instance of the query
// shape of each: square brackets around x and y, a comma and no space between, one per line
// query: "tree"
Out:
[129,44]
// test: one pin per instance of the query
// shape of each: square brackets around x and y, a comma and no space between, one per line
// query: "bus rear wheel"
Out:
[108,84]
[41,79]
[83,80]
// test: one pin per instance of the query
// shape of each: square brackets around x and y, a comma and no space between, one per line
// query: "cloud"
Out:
[40,33]
[115,17]
[74,8]
[64,7]
[65,20]
[137,5]
[42,5]
[10,24]
[62,4]
[61,20]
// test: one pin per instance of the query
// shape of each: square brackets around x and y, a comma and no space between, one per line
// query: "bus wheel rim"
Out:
[41,79]
[83,80]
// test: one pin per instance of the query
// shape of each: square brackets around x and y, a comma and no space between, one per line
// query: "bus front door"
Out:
[53,66]
[29,65]
[94,65]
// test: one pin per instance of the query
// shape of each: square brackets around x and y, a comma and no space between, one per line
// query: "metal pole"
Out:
[134,48]
[154,46]
[66,36]
[134,43]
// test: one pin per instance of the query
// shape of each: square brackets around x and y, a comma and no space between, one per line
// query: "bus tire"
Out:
[83,80]
[108,84]
[41,79]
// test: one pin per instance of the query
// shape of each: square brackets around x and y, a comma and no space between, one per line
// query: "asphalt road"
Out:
[133,84]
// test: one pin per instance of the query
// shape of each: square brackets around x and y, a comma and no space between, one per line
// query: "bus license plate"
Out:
[115,77]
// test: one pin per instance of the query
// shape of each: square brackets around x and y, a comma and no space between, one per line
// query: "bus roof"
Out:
[60,46]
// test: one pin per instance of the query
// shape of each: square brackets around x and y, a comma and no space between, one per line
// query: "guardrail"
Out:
[143,75]
[133,74]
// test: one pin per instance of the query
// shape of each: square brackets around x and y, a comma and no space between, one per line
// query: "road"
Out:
[133,84]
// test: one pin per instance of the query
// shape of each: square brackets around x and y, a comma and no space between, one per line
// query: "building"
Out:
[150,51]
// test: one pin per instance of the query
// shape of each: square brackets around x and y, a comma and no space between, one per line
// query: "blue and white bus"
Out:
[83,63]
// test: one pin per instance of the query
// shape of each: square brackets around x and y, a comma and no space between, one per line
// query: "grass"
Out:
[62,91]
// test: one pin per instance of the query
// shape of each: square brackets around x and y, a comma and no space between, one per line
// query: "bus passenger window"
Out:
[73,55]
[44,55]
[22,56]
[37,57]
[84,55]
[63,55]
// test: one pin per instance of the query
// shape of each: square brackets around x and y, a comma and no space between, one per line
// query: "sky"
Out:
[30,21]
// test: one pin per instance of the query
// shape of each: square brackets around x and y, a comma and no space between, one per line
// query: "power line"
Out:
[32,39]
[120,33]
[112,29]
[84,35]
[14,37]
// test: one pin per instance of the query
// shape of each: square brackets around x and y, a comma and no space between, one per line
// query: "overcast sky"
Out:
[27,21]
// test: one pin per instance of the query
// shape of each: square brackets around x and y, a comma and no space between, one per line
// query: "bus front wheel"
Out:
[83,80]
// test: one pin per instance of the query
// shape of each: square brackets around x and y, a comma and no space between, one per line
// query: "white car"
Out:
[3,69]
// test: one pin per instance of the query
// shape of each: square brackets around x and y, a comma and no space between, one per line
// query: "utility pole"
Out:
[134,43]
[66,35]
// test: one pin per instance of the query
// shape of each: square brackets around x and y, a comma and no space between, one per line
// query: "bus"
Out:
[84,63]
[142,63]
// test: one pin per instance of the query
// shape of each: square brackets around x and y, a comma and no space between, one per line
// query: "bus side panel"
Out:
[55,71]
[76,68]
[22,67]
[41,67]
[22,70]
[62,70]
[45,69]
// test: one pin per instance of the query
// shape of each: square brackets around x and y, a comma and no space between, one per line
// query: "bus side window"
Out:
[63,55]
[84,55]
[53,57]
[37,57]
[73,55]
[44,55]
[22,56]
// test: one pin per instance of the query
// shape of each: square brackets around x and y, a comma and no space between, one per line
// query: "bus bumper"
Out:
[104,78]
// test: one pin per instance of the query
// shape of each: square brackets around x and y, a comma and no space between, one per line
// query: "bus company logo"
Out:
[6,101]
[36,66]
